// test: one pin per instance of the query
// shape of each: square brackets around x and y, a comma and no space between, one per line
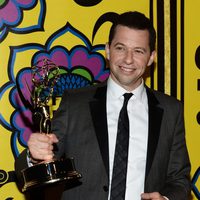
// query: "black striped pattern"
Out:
[173,48]
[182,48]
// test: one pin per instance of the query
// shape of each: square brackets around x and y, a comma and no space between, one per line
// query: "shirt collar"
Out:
[116,91]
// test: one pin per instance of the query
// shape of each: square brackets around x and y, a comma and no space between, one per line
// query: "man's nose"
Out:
[129,57]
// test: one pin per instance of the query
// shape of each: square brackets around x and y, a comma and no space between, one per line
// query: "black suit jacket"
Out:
[81,126]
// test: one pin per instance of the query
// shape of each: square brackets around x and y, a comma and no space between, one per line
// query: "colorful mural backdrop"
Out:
[72,34]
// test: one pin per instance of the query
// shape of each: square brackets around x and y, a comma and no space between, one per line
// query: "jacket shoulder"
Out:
[163,99]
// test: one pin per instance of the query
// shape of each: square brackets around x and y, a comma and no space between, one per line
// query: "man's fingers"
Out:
[145,196]
[152,196]
[41,146]
[41,153]
[53,138]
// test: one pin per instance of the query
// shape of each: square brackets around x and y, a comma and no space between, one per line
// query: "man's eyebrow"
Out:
[137,47]
[119,43]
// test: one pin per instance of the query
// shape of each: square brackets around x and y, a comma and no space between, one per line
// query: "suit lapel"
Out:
[155,118]
[98,111]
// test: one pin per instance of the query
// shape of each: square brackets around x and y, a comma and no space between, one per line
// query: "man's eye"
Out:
[119,48]
[139,51]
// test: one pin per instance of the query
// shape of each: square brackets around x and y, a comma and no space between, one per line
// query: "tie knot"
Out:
[127,96]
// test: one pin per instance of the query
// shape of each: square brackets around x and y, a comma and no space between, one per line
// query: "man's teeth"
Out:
[127,69]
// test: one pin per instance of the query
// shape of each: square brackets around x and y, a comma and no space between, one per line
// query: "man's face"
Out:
[129,55]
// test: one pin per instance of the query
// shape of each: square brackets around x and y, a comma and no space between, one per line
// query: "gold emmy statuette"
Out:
[44,76]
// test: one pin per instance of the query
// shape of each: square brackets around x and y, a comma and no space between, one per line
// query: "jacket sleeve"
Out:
[178,185]
[20,164]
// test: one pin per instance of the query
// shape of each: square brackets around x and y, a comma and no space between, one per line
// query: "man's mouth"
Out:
[127,69]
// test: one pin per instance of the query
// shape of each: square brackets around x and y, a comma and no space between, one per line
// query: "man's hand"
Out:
[153,196]
[41,146]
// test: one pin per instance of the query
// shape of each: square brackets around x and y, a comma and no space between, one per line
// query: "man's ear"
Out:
[107,49]
[152,58]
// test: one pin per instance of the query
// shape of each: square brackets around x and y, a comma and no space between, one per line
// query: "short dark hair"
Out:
[135,20]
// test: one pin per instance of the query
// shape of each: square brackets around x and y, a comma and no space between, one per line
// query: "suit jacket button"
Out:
[105,188]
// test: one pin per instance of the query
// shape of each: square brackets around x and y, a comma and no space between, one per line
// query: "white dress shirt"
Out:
[138,121]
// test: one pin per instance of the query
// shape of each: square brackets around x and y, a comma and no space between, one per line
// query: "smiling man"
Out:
[125,151]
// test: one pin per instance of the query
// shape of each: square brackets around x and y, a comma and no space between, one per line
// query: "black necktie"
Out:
[118,184]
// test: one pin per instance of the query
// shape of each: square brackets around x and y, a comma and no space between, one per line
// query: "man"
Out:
[85,126]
